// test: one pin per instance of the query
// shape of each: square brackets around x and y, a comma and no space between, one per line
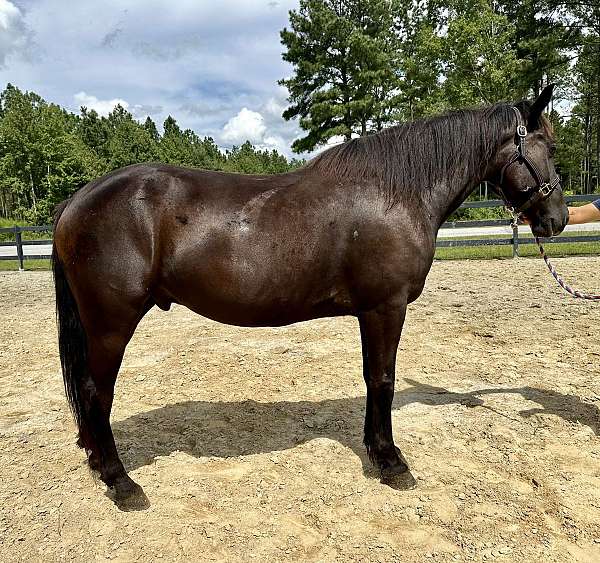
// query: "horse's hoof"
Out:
[128,496]
[399,478]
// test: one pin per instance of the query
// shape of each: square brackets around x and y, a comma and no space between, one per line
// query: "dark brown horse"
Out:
[351,233]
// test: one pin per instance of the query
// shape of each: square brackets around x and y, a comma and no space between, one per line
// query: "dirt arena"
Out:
[248,441]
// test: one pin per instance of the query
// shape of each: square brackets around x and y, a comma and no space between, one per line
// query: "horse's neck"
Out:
[447,197]
[446,202]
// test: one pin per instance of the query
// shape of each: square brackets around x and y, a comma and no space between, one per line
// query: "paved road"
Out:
[28,250]
[475,232]
[523,230]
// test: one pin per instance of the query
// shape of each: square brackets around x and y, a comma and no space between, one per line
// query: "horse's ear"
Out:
[537,108]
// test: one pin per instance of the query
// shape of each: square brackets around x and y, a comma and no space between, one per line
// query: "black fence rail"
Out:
[19,243]
[513,240]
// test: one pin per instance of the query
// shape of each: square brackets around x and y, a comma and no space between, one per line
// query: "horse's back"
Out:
[147,180]
[134,194]
[245,243]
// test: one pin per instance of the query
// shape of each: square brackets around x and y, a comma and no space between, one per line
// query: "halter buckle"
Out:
[514,214]
[522,131]
[546,189]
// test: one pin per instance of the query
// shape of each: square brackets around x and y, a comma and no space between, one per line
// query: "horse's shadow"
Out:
[228,429]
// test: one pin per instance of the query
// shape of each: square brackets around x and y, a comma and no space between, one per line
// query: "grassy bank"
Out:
[527,248]
[463,253]
[30,265]
[468,253]
[9,223]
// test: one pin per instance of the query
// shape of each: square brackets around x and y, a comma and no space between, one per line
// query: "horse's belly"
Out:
[248,294]
[265,311]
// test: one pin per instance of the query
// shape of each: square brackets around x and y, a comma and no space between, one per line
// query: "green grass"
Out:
[525,250]
[8,237]
[466,253]
[558,250]
[30,265]
[473,253]
[523,235]
[463,253]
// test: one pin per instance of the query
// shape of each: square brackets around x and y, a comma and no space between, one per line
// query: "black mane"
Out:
[412,158]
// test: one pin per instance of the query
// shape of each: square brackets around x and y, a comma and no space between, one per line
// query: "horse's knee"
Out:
[383,385]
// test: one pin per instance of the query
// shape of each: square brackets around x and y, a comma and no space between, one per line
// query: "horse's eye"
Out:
[552,150]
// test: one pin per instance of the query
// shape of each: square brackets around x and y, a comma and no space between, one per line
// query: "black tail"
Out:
[72,342]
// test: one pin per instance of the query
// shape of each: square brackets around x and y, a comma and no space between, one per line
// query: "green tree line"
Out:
[46,152]
[361,65]
[357,66]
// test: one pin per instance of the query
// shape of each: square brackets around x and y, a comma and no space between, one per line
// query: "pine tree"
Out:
[94,132]
[583,16]
[420,65]
[129,142]
[151,129]
[542,43]
[246,159]
[343,54]
[570,151]
[480,58]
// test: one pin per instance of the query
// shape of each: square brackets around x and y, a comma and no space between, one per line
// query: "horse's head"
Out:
[526,178]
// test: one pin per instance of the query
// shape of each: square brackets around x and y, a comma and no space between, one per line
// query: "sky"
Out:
[211,64]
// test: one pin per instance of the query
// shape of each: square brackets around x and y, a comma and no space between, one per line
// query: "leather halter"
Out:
[541,190]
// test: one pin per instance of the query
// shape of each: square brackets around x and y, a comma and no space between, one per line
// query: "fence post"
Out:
[19,244]
[515,230]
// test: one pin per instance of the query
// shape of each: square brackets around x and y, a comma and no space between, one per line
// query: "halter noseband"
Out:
[542,190]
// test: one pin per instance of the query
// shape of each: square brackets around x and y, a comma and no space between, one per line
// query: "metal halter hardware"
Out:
[542,190]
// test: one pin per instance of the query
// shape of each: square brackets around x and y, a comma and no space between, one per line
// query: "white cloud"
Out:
[103,107]
[141,111]
[265,128]
[247,125]
[275,107]
[276,142]
[197,61]
[336,140]
[13,34]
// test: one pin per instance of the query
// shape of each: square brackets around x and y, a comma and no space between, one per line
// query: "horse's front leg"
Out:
[380,331]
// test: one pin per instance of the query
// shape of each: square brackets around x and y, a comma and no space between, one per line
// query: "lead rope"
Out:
[574,292]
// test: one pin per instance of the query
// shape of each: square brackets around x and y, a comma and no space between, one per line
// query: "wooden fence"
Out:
[19,243]
[514,240]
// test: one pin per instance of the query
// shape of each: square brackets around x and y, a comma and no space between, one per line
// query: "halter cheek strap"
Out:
[542,190]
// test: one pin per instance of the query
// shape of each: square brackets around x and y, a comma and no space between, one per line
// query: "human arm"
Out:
[585,213]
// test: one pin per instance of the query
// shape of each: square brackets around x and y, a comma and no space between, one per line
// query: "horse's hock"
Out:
[249,441]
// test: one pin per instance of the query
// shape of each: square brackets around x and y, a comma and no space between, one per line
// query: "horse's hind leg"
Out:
[95,325]
[105,352]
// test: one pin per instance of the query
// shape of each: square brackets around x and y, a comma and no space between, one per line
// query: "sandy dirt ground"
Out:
[248,441]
